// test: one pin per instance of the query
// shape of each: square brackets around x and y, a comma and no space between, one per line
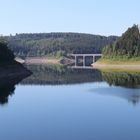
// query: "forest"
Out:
[126,47]
[56,44]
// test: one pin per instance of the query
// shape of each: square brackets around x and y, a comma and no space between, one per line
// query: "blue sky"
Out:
[104,17]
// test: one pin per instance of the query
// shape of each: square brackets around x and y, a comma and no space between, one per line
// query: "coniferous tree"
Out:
[127,46]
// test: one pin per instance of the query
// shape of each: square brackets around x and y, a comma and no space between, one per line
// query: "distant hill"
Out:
[57,44]
[126,47]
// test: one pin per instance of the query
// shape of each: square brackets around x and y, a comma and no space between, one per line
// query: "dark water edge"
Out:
[12,70]
[10,75]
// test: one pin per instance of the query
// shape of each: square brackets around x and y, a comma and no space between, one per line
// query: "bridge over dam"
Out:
[83,58]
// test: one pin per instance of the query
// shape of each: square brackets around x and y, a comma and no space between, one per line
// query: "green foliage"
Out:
[54,44]
[6,55]
[127,46]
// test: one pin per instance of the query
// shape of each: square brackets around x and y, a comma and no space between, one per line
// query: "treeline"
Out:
[127,46]
[57,44]
[6,55]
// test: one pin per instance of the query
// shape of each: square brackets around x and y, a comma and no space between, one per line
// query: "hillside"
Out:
[126,47]
[57,44]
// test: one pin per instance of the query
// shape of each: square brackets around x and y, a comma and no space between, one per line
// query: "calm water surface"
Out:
[57,103]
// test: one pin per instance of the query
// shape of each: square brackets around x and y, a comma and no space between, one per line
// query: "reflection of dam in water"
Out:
[56,75]
[131,95]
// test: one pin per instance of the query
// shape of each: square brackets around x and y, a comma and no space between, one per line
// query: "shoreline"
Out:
[101,64]
[44,60]
[40,60]
[117,66]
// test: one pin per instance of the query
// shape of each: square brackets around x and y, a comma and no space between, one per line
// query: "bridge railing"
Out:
[85,55]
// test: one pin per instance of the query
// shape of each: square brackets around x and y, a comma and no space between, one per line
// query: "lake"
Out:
[60,103]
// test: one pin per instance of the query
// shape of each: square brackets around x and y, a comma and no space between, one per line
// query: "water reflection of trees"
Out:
[54,74]
[124,79]
[125,85]
[43,74]
[9,77]
[7,88]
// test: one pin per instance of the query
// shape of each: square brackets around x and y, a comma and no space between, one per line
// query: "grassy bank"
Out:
[118,64]
[124,61]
